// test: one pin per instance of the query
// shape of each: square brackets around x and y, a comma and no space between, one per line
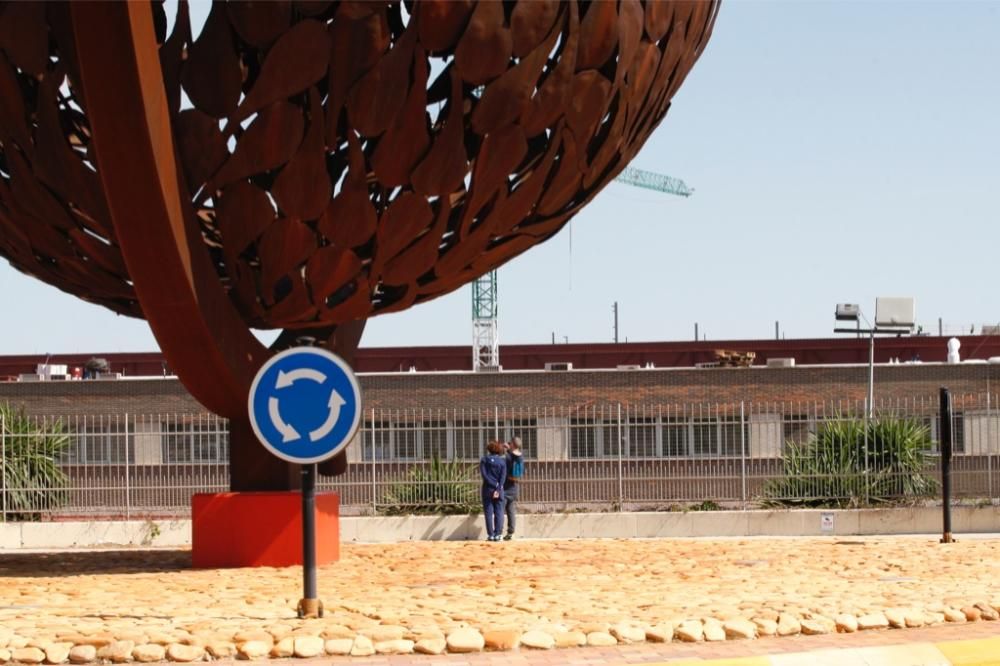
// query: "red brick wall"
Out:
[539,389]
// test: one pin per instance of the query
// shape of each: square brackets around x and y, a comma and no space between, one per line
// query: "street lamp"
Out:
[893,315]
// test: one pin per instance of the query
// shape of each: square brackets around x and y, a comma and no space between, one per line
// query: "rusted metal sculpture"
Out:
[335,160]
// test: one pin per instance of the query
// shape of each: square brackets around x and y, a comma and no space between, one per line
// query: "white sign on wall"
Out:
[826,522]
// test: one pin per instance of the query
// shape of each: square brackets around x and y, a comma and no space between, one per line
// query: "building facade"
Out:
[560,414]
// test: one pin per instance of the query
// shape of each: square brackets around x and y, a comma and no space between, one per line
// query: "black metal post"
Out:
[946,446]
[310,606]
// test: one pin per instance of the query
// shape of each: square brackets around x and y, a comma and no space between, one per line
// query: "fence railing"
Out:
[596,457]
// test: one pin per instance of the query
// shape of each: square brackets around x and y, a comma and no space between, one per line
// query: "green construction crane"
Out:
[485,333]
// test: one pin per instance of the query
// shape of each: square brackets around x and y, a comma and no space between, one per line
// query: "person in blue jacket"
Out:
[511,490]
[493,469]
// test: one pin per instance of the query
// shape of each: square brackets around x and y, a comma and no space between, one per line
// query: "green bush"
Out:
[442,488]
[851,462]
[32,479]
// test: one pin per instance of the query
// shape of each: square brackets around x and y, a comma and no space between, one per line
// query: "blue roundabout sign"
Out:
[305,405]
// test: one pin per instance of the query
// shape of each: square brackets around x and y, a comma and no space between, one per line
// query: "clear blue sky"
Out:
[840,151]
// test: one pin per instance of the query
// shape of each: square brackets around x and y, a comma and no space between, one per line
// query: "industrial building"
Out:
[640,423]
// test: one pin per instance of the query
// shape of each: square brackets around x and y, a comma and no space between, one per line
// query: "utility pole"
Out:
[614,308]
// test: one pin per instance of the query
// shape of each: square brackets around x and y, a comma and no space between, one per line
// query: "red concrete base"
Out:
[260,529]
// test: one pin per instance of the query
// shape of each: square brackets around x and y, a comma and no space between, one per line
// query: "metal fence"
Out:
[595,457]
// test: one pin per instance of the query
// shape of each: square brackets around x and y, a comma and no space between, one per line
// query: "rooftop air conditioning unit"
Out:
[558,366]
[847,311]
[629,367]
[781,362]
[50,371]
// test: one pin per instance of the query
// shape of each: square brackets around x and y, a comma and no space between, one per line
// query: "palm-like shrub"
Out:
[849,462]
[440,488]
[33,481]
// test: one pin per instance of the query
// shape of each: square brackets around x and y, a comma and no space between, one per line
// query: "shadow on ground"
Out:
[23,565]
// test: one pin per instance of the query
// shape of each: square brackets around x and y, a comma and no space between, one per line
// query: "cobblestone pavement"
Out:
[980,640]
[515,598]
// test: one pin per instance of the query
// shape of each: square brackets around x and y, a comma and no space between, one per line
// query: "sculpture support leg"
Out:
[342,340]
[255,468]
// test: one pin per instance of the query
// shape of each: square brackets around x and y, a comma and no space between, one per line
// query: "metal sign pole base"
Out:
[310,608]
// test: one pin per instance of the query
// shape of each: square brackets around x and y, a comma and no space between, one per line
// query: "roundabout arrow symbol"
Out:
[288,433]
[334,403]
[286,379]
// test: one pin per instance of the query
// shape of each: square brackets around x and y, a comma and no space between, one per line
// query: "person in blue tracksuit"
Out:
[493,469]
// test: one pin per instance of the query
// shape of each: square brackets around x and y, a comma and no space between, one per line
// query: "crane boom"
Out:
[485,333]
[654,181]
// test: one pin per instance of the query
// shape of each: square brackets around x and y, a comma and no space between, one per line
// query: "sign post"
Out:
[946,437]
[305,407]
[310,605]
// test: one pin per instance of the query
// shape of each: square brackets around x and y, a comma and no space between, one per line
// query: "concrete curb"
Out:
[394,529]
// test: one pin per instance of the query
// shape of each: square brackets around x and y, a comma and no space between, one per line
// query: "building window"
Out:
[704,437]
[102,441]
[405,441]
[591,437]
[434,440]
[421,440]
[676,437]
[659,437]
[375,440]
[640,437]
[796,428]
[469,439]
[194,442]
[583,436]
[957,431]
[610,441]
[734,437]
